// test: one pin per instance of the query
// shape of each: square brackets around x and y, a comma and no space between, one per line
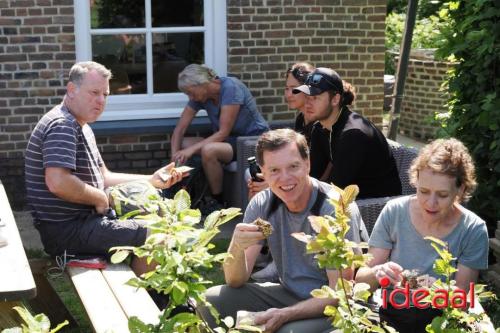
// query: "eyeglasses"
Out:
[299,74]
[315,80]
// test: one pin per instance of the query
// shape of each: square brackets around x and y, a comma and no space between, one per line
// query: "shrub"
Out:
[426,35]
[472,40]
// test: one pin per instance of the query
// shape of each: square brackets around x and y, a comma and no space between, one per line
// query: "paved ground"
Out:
[29,234]
[31,239]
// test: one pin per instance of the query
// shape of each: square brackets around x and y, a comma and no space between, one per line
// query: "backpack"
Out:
[136,197]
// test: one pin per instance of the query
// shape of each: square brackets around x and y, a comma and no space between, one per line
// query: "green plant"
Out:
[426,35]
[452,319]
[334,251]
[180,251]
[472,41]
[425,8]
[39,323]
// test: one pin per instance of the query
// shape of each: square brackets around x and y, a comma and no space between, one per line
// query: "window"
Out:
[146,43]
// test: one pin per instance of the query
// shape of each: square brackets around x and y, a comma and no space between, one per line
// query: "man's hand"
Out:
[246,235]
[255,187]
[103,205]
[272,319]
[172,176]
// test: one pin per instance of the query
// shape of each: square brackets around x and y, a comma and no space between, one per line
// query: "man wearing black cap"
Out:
[358,150]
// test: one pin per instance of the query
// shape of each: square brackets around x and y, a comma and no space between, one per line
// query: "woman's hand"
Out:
[390,270]
[181,156]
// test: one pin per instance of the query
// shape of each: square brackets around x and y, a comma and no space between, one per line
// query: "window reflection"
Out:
[171,53]
[117,14]
[177,13]
[125,56]
[125,53]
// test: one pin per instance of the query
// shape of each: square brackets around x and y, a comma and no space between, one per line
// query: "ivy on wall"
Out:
[473,41]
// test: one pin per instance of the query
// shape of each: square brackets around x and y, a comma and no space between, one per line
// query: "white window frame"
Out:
[149,105]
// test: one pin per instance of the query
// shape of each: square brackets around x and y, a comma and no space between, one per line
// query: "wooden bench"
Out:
[108,301]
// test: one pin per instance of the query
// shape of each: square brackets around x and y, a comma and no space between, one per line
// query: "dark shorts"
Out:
[93,235]
[232,141]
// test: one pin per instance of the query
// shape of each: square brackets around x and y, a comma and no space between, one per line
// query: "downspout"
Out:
[402,69]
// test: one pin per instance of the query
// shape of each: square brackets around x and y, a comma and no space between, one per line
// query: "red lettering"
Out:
[441,295]
[384,298]
[472,298]
[405,292]
[461,296]
[419,295]
[440,299]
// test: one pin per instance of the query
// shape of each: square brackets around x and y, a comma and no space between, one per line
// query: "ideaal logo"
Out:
[441,298]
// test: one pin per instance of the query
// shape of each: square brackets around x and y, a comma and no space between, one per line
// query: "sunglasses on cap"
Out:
[299,74]
[319,80]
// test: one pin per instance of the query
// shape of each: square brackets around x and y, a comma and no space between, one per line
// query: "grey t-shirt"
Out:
[298,271]
[468,241]
[233,92]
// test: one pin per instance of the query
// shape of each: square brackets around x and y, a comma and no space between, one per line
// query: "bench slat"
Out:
[100,304]
[134,301]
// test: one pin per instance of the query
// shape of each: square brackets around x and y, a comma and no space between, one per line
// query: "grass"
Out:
[66,292]
[64,289]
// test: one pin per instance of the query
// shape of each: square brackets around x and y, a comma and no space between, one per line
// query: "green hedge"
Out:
[473,40]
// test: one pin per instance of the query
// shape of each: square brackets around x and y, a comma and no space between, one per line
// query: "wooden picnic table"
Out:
[16,280]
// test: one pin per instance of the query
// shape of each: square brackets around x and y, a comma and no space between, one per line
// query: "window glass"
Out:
[177,13]
[146,43]
[171,53]
[117,14]
[125,56]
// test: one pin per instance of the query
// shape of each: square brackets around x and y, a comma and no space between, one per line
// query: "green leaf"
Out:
[27,317]
[135,325]
[228,321]
[361,291]
[60,326]
[119,256]
[182,201]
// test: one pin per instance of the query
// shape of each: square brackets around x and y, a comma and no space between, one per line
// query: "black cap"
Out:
[320,80]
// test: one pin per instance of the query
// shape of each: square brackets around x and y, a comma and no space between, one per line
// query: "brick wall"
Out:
[264,38]
[423,97]
[36,52]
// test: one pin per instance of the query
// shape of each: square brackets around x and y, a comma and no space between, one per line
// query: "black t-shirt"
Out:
[319,157]
[360,155]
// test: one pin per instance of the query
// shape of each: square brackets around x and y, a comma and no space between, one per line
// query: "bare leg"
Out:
[140,266]
[212,157]
[191,140]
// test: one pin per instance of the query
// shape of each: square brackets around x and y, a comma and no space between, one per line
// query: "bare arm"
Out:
[228,115]
[114,178]
[367,274]
[274,318]
[243,249]
[464,276]
[62,183]
[180,129]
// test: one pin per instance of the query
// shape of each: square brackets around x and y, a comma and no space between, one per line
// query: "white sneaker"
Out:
[267,274]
